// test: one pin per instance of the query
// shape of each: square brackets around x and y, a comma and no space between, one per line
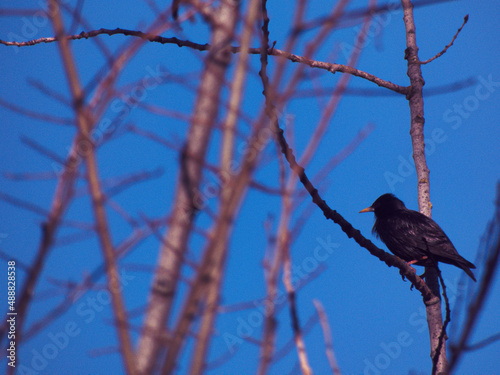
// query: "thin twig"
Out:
[348,229]
[267,346]
[36,115]
[442,335]
[466,18]
[290,344]
[353,15]
[270,323]
[325,326]
[23,204]
[283,253]
[486,283]
[78,290]
[483,343]
[45,151]
[331,67]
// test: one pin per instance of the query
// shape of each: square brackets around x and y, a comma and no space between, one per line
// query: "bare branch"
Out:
[492,243]
[483,343]
[466,18]
[442,335]
[165,280]
[416,102]
[85,125]
[42,150]
[227,149]
[330,67]
[36,115]
[327,334]
[351,232]
[23,204]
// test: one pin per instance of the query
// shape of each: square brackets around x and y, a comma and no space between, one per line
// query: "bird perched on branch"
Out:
[412,236]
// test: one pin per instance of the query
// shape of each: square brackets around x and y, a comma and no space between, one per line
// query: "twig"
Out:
[329,111]
[18,12]
[42,150]
[23,204]
[269,333]
[19,263]
[327,334]
[283,236]
[116,185]
[85,125]
[280,304]
[354,14]
[466,18]
[297,331]
[62,197]
[36,115]
[483,343]
[344,153]
[172,249]
[331,67]
[442,335]
[348,229]
[334,101]
[33,176]
[270,323]
[211,266]
[373,92]
[78,290]
[491,268]
[290,344]
[44,89]
[283,254]
[227,149]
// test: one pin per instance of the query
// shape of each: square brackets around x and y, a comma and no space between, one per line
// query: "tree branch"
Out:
[327,334]
[85,125]
[416,102]
[466,18]
[492,244]
[173,248]
[330,67]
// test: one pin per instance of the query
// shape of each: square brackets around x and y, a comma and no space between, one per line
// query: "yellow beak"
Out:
[367,209]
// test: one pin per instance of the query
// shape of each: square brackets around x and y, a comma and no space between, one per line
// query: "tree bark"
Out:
[187,199]
[416,102]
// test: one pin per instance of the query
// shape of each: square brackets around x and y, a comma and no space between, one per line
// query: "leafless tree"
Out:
[239,36]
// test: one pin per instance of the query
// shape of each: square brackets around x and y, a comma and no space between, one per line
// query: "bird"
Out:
[412,236]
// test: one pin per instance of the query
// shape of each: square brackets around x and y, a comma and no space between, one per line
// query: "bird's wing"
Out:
[428,235]
[433,240]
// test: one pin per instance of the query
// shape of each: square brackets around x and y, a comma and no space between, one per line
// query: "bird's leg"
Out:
[416,260]
[413,269]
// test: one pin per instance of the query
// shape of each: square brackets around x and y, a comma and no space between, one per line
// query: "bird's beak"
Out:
[367,209]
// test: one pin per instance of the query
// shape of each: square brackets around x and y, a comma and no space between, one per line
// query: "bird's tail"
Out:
[466,266]
[467,270]
[463,263]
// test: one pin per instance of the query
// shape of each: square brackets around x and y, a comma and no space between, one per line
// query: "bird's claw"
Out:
[402,275]
[404,278]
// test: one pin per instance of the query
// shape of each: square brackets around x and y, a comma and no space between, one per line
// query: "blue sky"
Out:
[371,311]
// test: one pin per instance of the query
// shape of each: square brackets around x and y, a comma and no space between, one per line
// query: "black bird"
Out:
[412,236]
